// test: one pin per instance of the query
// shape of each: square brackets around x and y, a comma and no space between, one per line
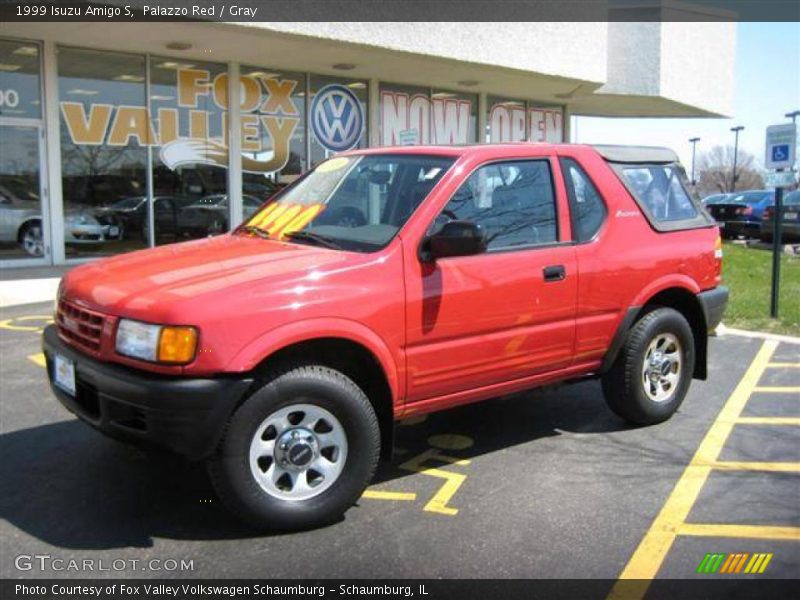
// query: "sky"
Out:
[766,88]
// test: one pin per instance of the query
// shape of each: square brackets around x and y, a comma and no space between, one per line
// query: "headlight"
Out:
[156,343]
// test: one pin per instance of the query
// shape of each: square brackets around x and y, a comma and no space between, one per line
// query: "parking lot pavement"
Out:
[546,484]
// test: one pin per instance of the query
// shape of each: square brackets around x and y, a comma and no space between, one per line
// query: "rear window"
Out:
[750,197]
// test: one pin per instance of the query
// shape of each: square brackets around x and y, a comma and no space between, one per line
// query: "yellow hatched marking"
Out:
[777,467]
[779,389]
[784,365]
[753,532]
[38,359]
[656,543]
[381,495]
[453,481]
[768,420]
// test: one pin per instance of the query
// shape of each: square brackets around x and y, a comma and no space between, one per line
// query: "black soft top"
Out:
[637,154]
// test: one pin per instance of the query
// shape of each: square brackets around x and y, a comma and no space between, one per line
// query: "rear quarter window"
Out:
[661,193]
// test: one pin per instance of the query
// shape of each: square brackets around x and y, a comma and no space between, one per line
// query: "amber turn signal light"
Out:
[177,344]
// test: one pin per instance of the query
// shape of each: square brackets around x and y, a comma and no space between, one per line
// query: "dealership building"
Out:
[117,136]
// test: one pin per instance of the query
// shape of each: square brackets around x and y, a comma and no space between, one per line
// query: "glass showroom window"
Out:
[273,133]
[417,115]
[21,220]
[506,120]
[509,120]
[454,117]
[405,118]
[188,105]
[104,134]
[337,117]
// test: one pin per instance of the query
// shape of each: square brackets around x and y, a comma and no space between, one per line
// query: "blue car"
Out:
[740,213]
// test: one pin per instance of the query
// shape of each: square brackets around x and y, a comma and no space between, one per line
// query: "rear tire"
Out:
[299,452]
[652,373]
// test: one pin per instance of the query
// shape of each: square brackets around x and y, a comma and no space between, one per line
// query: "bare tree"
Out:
[715,171]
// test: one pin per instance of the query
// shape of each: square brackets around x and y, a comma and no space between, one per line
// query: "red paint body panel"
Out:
[454,331]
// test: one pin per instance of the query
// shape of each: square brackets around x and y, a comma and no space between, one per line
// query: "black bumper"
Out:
[747,228]
[184,415]
[714,303]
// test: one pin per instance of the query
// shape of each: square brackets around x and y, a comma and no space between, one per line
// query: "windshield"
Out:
[350,202]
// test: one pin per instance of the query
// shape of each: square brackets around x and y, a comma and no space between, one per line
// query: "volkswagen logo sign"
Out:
[336,118]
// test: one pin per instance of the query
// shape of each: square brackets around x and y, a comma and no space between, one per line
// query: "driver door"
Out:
[499,316]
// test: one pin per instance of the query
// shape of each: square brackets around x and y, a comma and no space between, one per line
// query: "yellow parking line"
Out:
[777,467]
[754,532]
[784,389]
[38,359]
[379,495]
[653,549]
[768,420]
[784,365]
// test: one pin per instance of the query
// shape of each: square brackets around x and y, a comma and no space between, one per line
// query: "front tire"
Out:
[652,373]
[299,452]
[31,239]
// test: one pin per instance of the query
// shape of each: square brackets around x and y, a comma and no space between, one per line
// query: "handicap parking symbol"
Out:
[780,152]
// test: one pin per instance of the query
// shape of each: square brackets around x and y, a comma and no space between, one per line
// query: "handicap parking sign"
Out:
[780,145]
[780,153]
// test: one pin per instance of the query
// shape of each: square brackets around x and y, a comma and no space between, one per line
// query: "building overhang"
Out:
[594,77]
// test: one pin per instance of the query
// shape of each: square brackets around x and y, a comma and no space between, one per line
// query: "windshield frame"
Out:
[349,245]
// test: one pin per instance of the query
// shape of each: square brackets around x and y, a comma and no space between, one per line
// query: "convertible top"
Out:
[637,154]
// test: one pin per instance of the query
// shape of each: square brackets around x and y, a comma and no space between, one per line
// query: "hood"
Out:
[161,283]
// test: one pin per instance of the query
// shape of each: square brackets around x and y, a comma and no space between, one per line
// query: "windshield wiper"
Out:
[314,238]
[256,230]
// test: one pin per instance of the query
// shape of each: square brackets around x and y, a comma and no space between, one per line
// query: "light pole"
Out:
[693,141]
[792,115]
[736,131]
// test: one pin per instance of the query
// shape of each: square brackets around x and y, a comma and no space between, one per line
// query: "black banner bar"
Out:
[421,589]
[399,10]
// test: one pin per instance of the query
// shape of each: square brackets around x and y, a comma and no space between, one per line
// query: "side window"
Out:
[513,202]
[587,206]
[660,189]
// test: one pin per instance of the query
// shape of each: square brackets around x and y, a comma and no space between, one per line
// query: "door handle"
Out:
[554,273]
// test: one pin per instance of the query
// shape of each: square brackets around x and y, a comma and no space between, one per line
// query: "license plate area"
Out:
[64,374]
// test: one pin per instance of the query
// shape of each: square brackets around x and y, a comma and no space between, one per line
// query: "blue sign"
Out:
[337,118]
[780,153]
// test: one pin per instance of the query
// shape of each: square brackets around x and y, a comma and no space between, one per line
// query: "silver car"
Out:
[21,223]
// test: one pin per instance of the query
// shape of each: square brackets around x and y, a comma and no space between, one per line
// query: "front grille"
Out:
[80,327]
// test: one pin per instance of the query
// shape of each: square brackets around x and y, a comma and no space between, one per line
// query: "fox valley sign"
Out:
[266,106]
[270,114]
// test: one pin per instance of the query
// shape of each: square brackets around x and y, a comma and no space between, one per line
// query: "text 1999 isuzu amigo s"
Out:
[385,283]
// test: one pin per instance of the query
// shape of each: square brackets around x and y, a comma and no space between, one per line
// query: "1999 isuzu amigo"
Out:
[385,283]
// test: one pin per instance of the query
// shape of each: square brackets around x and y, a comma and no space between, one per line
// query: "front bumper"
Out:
[184,415]
[714,303]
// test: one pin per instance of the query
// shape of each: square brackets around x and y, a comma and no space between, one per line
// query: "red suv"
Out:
[386,283]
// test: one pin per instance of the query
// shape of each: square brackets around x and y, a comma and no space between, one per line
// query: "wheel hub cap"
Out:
[661,369]
[298,452]
[297,448]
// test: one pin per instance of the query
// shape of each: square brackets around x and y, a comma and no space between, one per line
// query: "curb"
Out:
[28,291]
[789,339]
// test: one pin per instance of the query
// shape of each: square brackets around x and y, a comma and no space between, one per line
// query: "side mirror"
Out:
[455,238]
